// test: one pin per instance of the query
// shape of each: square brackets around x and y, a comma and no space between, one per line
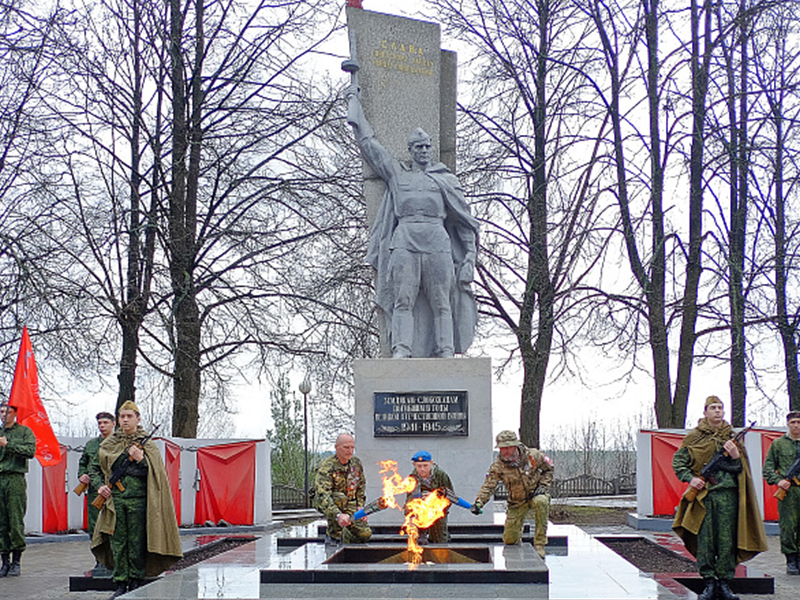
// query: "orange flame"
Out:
[421,513]
[394,484]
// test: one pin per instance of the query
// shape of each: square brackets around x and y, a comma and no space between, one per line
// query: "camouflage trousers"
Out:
[438,533]
[358,532]
[129,542]
[716,540]
[13,502]
[515,520]
[789,521]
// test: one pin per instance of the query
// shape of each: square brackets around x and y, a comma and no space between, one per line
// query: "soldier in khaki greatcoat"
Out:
[527,474]
[340,490]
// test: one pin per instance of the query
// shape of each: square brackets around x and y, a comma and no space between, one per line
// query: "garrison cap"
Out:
[507,439]
[712,400]
[130,405]
[795,414]
[104,415]
[422,456]
[418,135]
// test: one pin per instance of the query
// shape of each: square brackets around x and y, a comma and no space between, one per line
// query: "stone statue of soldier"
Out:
[423,246]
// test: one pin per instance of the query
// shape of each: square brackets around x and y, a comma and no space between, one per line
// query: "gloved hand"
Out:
[476,508]
[541,491]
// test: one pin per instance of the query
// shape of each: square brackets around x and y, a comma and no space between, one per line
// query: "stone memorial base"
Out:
[465,455]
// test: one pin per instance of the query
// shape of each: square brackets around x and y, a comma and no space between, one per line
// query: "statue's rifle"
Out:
[709,472]
[119,472]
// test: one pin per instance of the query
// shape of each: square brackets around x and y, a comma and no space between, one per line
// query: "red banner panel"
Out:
[770,502]
[227,483]
[54,495]
[172,462]
[667,488]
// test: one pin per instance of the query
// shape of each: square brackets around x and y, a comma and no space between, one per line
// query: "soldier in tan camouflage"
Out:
[527,474]
[340,490]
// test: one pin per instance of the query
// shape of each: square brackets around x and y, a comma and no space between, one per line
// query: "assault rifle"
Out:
[118,473]
[709,472]
[793,475]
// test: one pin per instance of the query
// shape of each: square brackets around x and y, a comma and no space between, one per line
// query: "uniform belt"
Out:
[421,219]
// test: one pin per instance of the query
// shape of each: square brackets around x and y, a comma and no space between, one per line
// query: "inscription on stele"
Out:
[421,413]
[400,56]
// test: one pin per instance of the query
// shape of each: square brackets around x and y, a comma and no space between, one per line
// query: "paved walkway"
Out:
[46,568]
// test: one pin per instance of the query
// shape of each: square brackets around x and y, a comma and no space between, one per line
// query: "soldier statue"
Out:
[423,246]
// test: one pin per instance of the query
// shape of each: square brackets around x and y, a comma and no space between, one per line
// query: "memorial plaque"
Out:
[421,414]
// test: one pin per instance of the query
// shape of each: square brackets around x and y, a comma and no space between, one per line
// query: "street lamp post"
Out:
[305,389]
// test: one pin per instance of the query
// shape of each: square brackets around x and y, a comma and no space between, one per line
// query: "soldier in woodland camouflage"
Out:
[527,474]
[340,490]
[17,447]
[105,423]
[781,455]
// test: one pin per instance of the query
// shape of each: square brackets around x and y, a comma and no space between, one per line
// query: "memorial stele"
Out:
[440,404]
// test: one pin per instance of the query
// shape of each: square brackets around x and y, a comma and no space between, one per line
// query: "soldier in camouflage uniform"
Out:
[17,447]
[340,490]
[782,453]
[105,423]
[708,524]
[527,474]
[429,477]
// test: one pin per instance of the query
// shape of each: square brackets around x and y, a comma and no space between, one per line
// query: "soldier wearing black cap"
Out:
[429,477]
[105,423]
[781,455]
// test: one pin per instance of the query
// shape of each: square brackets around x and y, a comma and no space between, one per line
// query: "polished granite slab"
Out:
[590,570]
[386,563]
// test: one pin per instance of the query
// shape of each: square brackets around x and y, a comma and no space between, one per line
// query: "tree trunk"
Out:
[535,357]
[738,216]
[694,263]
[655,292]
[182,224]
[135,299]
[786,328]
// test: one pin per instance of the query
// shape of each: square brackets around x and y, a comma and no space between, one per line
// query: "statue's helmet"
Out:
[418,135]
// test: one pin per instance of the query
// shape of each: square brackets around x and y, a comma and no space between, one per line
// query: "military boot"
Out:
[724,591]
[792,566]
[710,591]
[122,588]
[13,570]
[6,564]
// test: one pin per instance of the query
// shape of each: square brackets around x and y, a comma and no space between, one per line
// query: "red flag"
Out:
[30,410]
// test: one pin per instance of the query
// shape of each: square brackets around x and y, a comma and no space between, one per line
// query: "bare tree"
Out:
[531,172]
[776,70]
